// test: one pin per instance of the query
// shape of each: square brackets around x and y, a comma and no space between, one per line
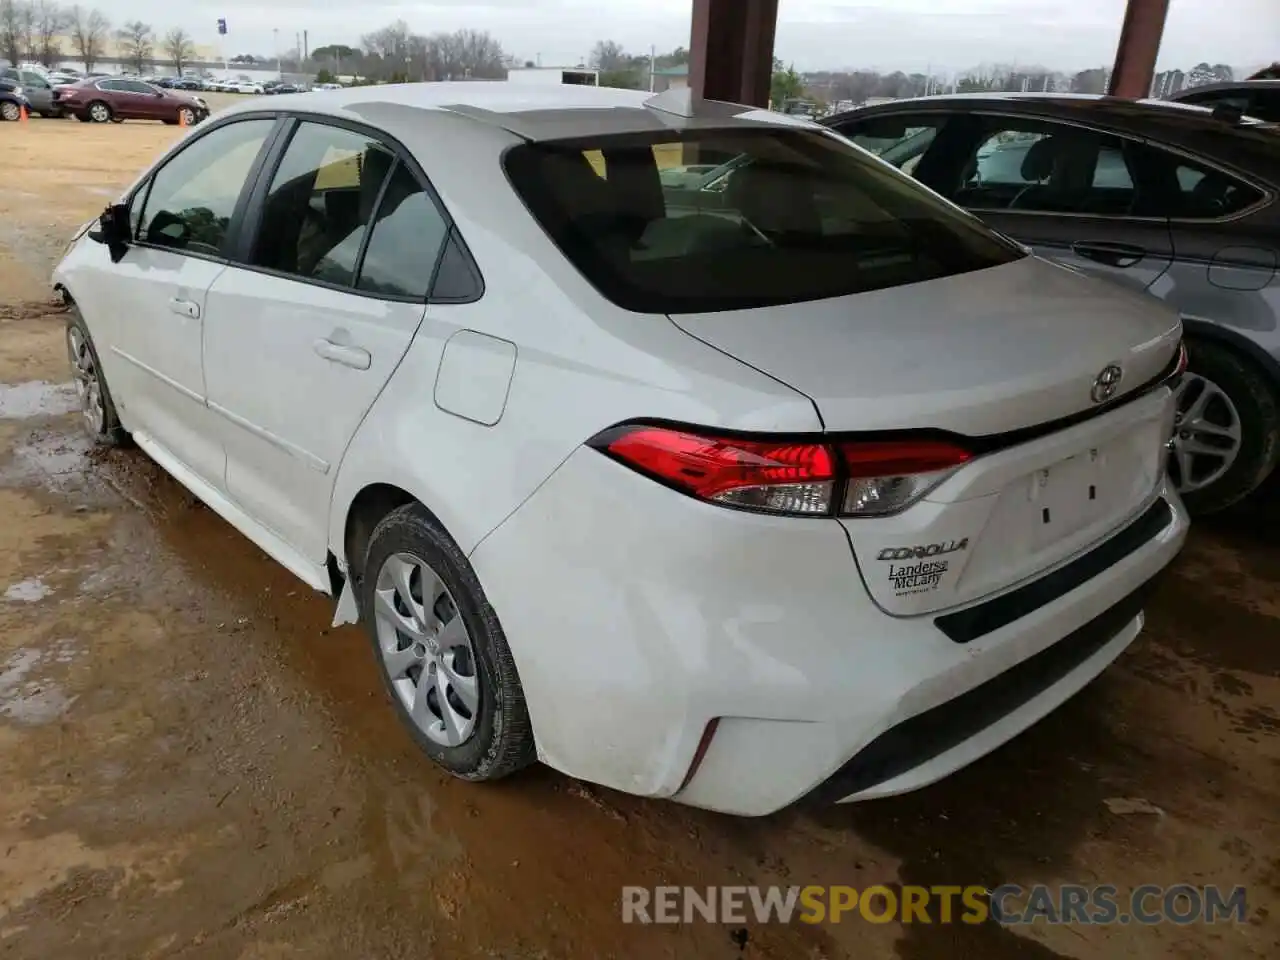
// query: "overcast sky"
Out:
[908,35]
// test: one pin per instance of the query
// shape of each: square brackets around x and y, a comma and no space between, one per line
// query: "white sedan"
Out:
[807,486]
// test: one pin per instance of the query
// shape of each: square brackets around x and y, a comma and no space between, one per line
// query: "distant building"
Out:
[1167,83]
[554,75]
[665,78]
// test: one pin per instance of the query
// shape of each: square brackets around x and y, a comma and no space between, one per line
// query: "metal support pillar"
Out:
[1135,64]
[731,50]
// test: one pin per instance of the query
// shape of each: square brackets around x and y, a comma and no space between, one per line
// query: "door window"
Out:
[1187,190]
[320,202]
[405,239]
[135,86]
[192,197]
[897,140]
[1037,166]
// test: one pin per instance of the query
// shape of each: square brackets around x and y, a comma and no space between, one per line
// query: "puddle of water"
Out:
[28,591]
[37,398]
[28,698]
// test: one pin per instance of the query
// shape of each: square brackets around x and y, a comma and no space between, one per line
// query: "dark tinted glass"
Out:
[457,280]
[193,196]
[321,199]
[793,215]
[406,239]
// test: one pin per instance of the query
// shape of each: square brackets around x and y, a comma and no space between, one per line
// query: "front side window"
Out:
[192,197]
[795,215]
[1043,167]
[320,202]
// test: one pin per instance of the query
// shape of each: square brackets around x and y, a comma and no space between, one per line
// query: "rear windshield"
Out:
[731,219]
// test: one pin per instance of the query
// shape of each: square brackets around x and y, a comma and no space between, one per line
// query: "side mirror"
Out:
[114,230]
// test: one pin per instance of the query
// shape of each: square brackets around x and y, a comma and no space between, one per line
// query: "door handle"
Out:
[1112,254]
[355,357]
[184,308]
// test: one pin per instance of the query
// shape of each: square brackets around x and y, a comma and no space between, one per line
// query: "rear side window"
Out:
[405,241]
[733,219]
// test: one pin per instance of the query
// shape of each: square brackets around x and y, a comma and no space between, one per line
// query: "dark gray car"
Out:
[36,87]
[1162,197]
[1256,98]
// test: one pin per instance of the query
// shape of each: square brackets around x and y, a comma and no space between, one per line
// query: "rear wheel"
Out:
[442,654]
[100,112]
[1227,435]
[187,117]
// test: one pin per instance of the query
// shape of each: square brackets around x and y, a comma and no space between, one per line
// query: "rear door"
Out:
[38,90]
[305,330]
[1069,192]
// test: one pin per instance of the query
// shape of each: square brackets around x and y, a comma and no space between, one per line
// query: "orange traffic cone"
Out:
[22,114]
[182,118]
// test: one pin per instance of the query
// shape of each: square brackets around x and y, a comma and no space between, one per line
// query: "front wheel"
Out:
[99,112]
[1227,435]
[187,117]
[97,409]
[10,111]
[442,654]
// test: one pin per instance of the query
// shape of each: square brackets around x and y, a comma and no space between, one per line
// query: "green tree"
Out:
[786,85]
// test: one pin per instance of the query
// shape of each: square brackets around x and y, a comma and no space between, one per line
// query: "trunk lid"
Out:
[978,353]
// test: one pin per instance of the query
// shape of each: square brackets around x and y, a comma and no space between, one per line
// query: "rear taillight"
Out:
[786,476]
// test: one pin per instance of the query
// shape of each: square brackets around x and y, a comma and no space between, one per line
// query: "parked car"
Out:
[1160,197]
[1254,98]
[100,101]
[13,100]
[287,88]
[825,492]
[251,88]
[37,88]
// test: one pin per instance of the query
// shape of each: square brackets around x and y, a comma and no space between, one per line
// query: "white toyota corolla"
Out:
[681,446]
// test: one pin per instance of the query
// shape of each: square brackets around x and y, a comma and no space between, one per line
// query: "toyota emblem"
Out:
[1106,383]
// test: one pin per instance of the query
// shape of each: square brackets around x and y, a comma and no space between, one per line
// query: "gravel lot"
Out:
[195,766]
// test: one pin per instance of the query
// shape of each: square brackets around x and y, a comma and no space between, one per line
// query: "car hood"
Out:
[977,354]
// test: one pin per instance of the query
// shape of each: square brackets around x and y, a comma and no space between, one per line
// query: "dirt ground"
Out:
[193,765]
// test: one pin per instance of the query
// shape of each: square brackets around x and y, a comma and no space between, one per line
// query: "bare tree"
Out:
[89,35]
[137,43]
[463,54]
[607,55]
[50,21]
[26,29]
[178,45]
[11,29]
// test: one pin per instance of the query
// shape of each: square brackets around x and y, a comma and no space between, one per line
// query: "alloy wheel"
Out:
[426,650]
[10,111]
[187,116]
[88,387]
[100,113]
[1207,434]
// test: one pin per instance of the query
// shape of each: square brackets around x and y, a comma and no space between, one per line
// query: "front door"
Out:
[150,311]
[300,341]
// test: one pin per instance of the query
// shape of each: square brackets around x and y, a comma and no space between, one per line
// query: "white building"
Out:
[554,75]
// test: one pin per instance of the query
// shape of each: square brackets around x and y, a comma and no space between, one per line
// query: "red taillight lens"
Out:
[769,475]
[1181,366]
[783,476]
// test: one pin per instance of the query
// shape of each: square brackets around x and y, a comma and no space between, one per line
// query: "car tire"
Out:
[499,738]
[97,408]
[10,111]
[1250,396]
[83,117]
[186,115]
[99,112]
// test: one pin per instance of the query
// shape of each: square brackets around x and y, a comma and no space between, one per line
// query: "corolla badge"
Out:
[1106,383]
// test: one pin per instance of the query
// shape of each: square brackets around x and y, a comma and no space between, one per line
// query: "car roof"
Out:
[531,111]
[1228,85]
[1250,145]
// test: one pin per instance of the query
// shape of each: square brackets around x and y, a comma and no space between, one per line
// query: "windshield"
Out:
[731,219]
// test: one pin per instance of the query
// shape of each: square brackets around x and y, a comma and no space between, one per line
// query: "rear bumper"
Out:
[637,617]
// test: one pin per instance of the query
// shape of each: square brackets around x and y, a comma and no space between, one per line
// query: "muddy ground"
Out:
[193,765]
